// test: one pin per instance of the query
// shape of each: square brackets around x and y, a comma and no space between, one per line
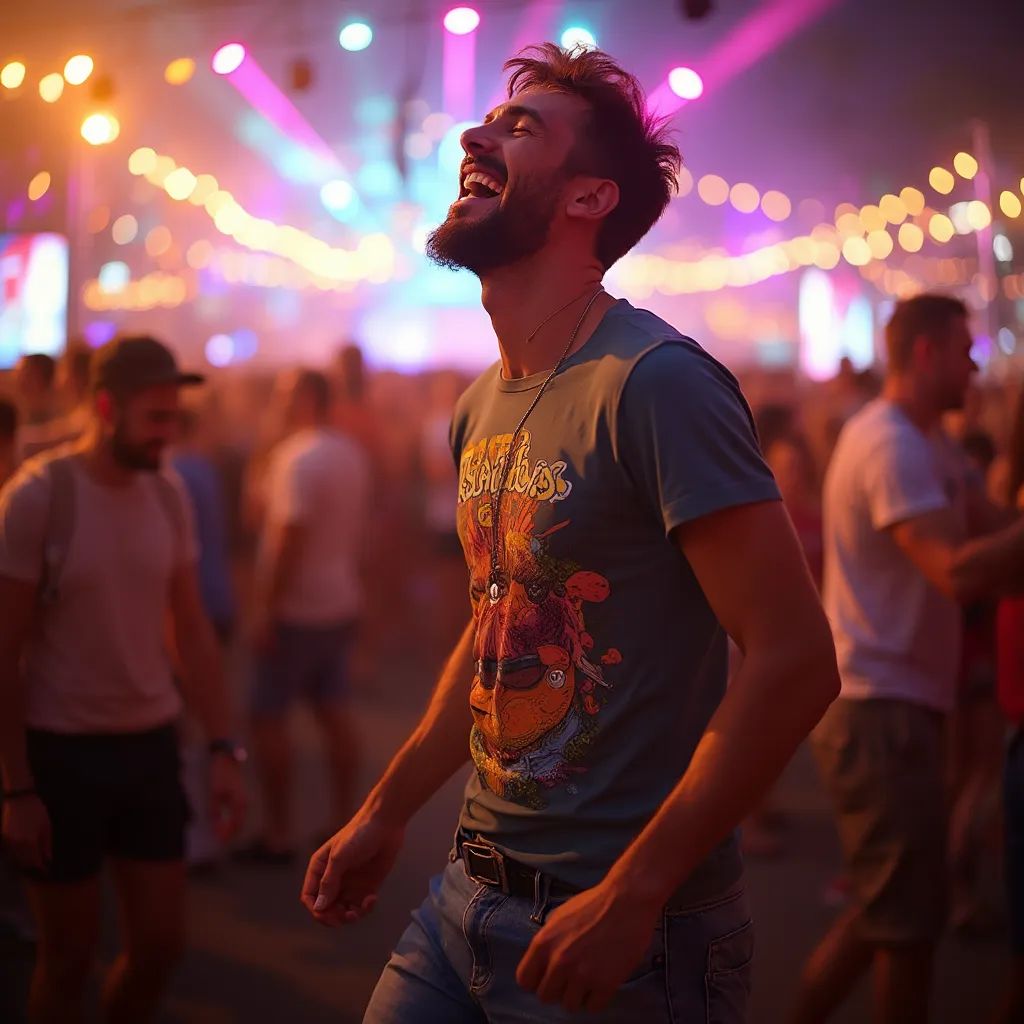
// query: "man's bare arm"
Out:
[962,569]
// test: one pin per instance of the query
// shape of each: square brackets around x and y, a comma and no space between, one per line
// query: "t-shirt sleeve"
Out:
[901,482]
[24,513]
[686,436]
[293,497]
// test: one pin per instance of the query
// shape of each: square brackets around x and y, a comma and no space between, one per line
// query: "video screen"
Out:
[33,295]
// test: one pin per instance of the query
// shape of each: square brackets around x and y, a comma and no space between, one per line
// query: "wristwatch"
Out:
[229,748]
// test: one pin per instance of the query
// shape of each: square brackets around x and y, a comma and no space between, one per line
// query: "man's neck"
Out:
[519,298]
[100,463]
[903,393]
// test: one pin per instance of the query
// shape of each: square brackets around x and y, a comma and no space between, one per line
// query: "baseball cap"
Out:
[130,364]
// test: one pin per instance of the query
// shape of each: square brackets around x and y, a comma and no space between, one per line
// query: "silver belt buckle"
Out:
[485,864]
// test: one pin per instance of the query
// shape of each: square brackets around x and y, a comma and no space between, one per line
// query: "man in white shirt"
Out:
[898,515]
[309,599]
[97,558]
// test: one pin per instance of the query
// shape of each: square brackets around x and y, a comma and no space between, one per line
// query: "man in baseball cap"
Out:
[96,554]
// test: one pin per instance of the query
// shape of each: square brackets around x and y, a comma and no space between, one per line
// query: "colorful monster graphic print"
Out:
[538,687]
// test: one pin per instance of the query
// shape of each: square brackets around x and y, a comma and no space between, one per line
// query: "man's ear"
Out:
[104,405]
[592,198]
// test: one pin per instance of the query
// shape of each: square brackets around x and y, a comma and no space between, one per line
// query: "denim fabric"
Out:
[457,960]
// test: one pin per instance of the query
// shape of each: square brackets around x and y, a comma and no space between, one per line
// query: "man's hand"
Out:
[228,799]
[27,834]
[587,948]
[345,874]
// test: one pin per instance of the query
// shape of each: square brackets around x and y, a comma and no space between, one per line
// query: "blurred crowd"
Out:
[369,451]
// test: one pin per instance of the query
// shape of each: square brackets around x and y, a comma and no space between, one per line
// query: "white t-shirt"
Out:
[320,479]
[896,635]
[96,661]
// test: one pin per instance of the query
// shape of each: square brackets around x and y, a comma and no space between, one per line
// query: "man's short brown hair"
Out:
[620,140]
[929,314]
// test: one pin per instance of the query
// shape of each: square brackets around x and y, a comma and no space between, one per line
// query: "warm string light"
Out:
[372,260]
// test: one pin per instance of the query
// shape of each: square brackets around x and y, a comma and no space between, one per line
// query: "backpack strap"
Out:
[170,500]
[60,526]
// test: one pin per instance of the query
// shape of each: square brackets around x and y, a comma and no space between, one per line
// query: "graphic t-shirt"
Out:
[599,667]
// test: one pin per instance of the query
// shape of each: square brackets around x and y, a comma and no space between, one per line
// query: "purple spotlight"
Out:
[686,83]
[228,58]
[460,21]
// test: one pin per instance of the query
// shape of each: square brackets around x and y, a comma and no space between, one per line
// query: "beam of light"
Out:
[228,58]
[459,75]
[760,33]
[265,97]
[537,23]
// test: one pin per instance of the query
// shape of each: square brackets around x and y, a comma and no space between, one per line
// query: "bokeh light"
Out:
[744,197]
[98,219]
[911,237]
[941,180]
[1009,204]
[12,75]
[228,58]
[180,183]
[577,35]
[142,161]
[179,71]
[872,218]
[913,199]
[125,229]
[979,216]
[199,254]
[158,241]
[684,182]
[856,252]
[206,185]
[685,83]
[78,69]
[460,21]
[893,209]
[51,87]
[337,195]
[220,350]
[39,186]
[713,190]
[355,36]
[940,227]
[965,165]
[776,205]
[100,129]
[880,244]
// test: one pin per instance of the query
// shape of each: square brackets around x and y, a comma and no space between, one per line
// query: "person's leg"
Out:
[420,984]
[902,983]
[274,680]
[341,746]
[272,752]
[67,919]
[840,960]
[327,687]
[151,896]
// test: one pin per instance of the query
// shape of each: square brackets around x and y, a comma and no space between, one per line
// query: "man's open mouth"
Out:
[480,185]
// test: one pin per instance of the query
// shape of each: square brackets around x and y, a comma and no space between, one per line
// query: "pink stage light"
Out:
[460,21]
[686,83]
[228,58]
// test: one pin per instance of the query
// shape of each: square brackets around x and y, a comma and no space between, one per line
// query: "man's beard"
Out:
[516,228]
[136,457]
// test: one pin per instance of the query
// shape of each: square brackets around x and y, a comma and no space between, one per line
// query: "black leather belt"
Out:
[487,865]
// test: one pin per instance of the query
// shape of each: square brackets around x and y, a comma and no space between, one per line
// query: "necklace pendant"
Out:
[497,587]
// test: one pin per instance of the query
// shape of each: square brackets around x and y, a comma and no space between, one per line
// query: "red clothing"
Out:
[1010,658]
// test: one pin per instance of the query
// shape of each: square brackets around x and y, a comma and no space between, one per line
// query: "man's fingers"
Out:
[531,967]
[332,878]
[314,872]
[575,996]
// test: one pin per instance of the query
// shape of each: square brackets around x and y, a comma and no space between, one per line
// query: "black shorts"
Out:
[117,795]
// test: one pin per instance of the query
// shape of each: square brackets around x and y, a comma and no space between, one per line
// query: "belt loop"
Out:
[541,897]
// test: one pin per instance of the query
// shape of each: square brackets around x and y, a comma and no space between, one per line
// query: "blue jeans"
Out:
[457,960]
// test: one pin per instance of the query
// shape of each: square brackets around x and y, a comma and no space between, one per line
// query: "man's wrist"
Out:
[640,879]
